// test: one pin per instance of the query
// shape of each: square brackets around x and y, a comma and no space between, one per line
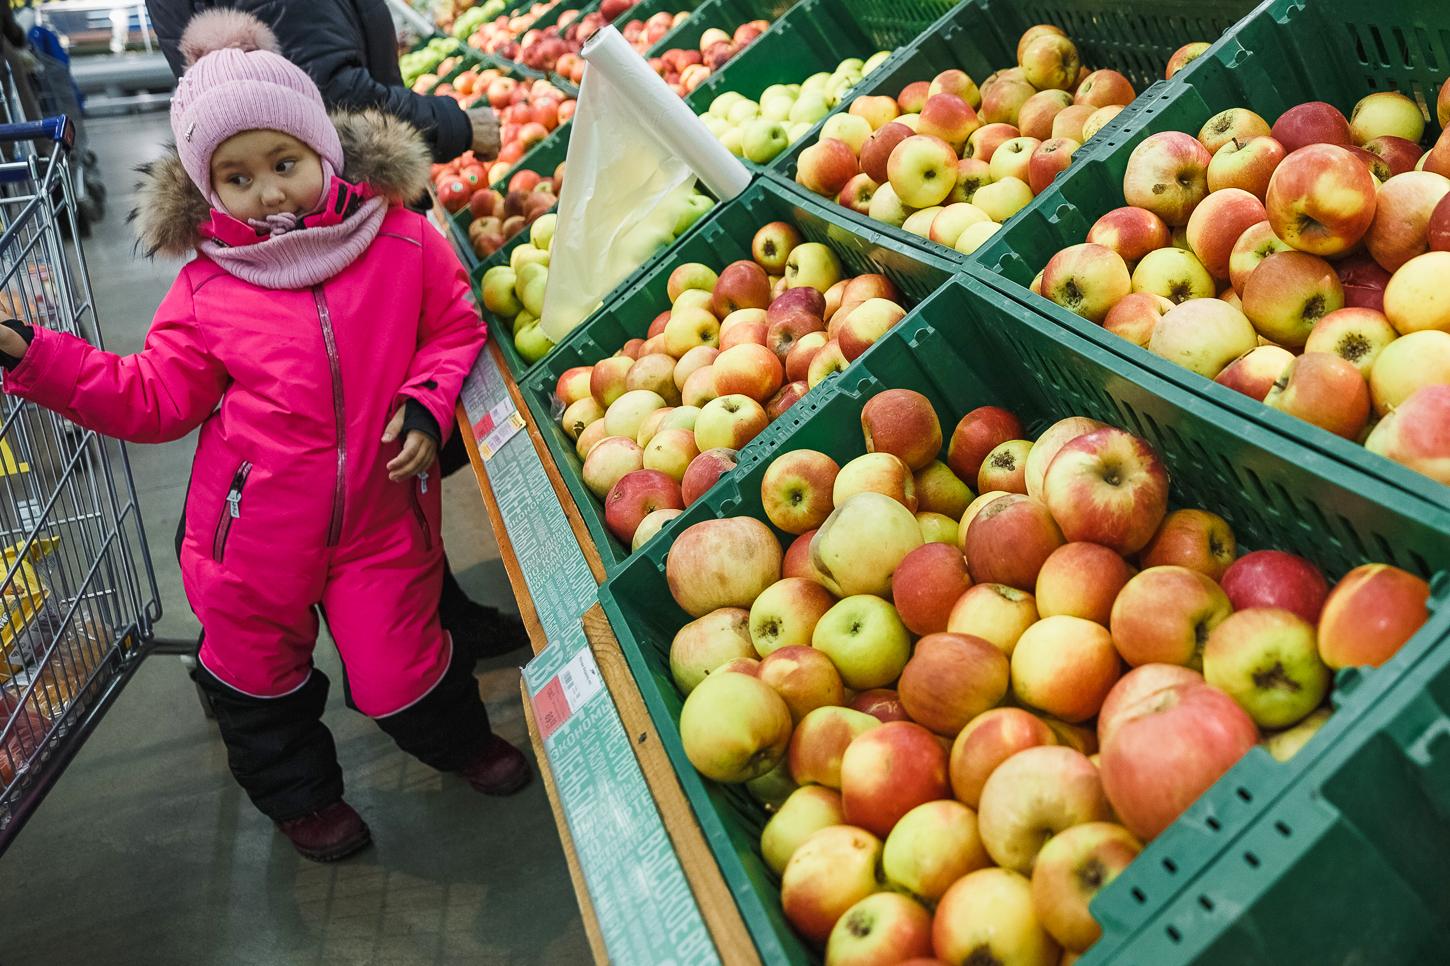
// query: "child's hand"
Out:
[419,450]
[12,343]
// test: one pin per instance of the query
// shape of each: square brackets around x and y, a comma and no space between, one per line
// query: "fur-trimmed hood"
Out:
[379,150]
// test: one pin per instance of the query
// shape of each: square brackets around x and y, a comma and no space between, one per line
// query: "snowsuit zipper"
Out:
[232,511]
[334,530]
[416,492]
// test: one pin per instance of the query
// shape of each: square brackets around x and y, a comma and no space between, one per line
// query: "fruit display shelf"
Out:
[1285,53]
[981,37]
[723,15]
[720,238]
[969,345]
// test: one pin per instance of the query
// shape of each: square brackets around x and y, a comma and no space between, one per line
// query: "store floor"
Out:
[147,853]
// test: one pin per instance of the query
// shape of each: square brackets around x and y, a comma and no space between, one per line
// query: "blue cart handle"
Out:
[58,129]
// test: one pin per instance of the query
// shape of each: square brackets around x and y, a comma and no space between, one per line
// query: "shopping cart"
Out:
[79,600]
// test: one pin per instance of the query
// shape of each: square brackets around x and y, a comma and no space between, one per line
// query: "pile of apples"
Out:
[760,130]
[497,36]
[967,729]
[528,110]
[498,217]
[657,423]
[684,70]
[928,162]
[1302,263]
[467,18]
[425,65]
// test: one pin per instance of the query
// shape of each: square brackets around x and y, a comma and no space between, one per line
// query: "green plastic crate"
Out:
[814,36]
[1285,53]
[965,347]
[720,238]
[980,37]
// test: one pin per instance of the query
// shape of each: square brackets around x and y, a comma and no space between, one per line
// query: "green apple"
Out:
[541,232]
[763,140]
[808,810]
[1003,199]
[715,125]
[734,727]
[776,107]
[695,208]
[527,254]
[809,108]
[799,130]
[852,64]
[721,105]
[813,265]
[531,342]
[875,61]
[532,282]
[734,141]
[1268,661]
[776,90]
[499,297]
[864,637]
[816,83]
[775,787]
[743,111]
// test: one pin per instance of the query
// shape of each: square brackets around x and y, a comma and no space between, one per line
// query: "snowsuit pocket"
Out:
[231,511]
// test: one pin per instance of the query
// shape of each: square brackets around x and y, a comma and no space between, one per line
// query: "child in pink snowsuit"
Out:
[319,338]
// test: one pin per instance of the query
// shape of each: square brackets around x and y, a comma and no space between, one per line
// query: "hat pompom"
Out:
[224,29]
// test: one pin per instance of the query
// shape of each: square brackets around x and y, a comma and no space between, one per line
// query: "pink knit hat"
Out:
[236,80]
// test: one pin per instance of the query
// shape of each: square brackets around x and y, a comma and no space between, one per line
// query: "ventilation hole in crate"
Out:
[1244,793]
[1351,534]
[1174,934]
[1138,896]
[1251,859]
[1283,829]
[1170,866]
[1401,48]
[1206,902]
[1214,824]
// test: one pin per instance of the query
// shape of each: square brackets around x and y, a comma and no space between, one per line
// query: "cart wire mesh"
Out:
[77,610]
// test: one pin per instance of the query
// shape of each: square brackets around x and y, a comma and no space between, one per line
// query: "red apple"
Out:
[988,740]
[1312,123]
[977,434]
[1009,541]
[1164,615]
[881,703]
[1139,683]
[888,771]
[1370,614]
[820,740]
[902,422]
[636,496]
[1107,487]
[703,471]
[1272,578]
[926,585]
[952,678]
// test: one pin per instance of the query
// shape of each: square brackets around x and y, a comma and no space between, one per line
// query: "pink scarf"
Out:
[278,254]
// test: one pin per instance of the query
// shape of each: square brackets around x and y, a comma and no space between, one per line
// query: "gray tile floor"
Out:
[147,853]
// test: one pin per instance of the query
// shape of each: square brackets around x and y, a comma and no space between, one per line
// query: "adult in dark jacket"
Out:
[349,48]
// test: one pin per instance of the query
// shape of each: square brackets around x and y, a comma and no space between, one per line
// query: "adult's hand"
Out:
[485,133]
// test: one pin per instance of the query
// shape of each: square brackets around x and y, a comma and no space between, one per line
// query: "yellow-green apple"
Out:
[1136,315]
[687,329]
[986,742]
[938,528]
[1168,175]
[1314,122]
[1002,102]
[1401,222]
[773,788]
[939,490]
[1218,222]
[890,770]
[1396,155]
[977,434]
[606,381]
[624,416]
[1385,113]
[1196,539]
[703,471]
[1416,298]
[1081,580]
[881,703]
[1167,748]
[1416,433]
[825,362]
[922,170]
[804,677]
[1102,88]
[1051,61]
[950,679]
[975,236]
[1107,487]
[1049,159]
[704,644]
[972,173]
[812,265]
[581,414]
[1034,32]
[693,359]
[1071,869]
[1284,745]
[883,473]
[653,373]
[850,129]
[957,82]
[994,612]
[671,452]
[826,166]
[651,525]
[1370,614]
[1099,119]
[771,245]
[796,490]
[983,143]
[932,846]
[1164,615]
[859,329]
[821,739]
[722,563]
[903,423]
[1054,438]
[1064,666]
[1323,389]
[635,496]
[730,421]
[876,110]
[865,639]
[987,916]
[809,809]
[1356,335]
[950,118]
[588,437]
[1175,274]
[881,929]
[1321,199]
[1034,119]
[1256,243]
[1005,468]
[1137,684]
[734,727]
[609,461]
[1203,335]
[1072,122]
[1267,660]
[927,584]
[749,370]
[1034,795]
[857,193]
[1407,365]
[1000,200]
[1245,164]
[691,276]
[1184,56]
[1012,158]
[954,219]
[876,152]
[1009,540]
[1273,578]
[1131,232]
[1236,123]
[785,614]
[919,223]
[827,874]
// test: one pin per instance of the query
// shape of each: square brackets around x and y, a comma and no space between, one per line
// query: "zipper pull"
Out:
[423,482]
[234,502]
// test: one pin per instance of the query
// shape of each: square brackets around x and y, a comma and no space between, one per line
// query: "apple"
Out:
[828,874]
[1081,580]
[1356,335]
[722,563]
[1218,222]
[671,451]
[1164,616]
[1049,159]
[826,362]
[609,461]
[1438,232]
[1034,795]
[1086,279]
[1136,315]
[938,528]
[1034,118]
[635,496]
[888,771]
[734,727]
[1321,199]
[950,118]
[588,437]
[1284,745]
[919,223]
[686,330]
[809,809]
[1140,682]
[1102,88]
[864,637]
[1234,124]
[795,491]
[926,585]
[1415,298]
[786,613]
[950,679]
[1049,443]
[1009,540]
[1370,614]
[1408,364]
[1051,61]
[1034,32]
[1312,123]
[812,265]
[1255,244]
[881,703]
[983,143]
[1196,539]
[1002,102]
[881,929]
[976,435]
[703,471]
[820,740]
[787,396]
[931,847]
[1274,579]
[651,525]
[1325,390]
[876,110]
[749,370]
[922,170]
[704,644]
[731,421]
[1005,468]
[876,152]
[1098,120]
[804,677]
[994,612]
[986,742]
[607,380]
[1012,159]
[902,422]
[1072,122]
[850,129]
[741,285]
[1385,113]
[1245,164]
[1203,335]
[653,373]
[1108,487]
[986,916]
[1396,154]
[954,219]
[1168,175]
[827,165]
[772,244]
[1072,868]
[802,354]
[1167,748]
[1000,200]
[1131,232]
[1402,217]
[1064,666]
[857,193]
[1184,56]
[1175,274]
[1267,660]
[1414,433]
[691,275]
[864,324]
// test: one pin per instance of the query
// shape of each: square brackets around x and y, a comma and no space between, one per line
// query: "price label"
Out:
[566,692]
